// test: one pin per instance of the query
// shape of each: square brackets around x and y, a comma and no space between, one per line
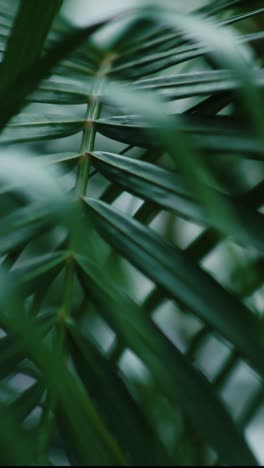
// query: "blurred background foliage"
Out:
[84,376]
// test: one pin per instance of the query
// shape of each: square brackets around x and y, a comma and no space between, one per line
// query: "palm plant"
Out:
[163,110]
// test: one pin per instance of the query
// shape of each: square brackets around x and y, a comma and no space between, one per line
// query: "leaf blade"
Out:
[181,279]
[28,37]
[178,380]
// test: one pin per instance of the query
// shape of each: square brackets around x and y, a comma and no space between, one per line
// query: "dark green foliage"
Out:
[185,92]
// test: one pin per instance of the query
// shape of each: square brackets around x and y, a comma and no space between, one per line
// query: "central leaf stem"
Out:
[89,132]
[87,146]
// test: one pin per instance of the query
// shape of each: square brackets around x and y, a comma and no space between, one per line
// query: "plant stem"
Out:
[87,146]
[47,421]
[89,132]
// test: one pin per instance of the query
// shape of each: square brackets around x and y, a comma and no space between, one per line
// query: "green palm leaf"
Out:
[122,266]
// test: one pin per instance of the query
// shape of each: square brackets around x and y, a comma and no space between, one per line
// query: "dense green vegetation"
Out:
[130,156]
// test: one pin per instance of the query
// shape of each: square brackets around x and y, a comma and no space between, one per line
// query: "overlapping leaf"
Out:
[173,271]
[79,391]
[172,372]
